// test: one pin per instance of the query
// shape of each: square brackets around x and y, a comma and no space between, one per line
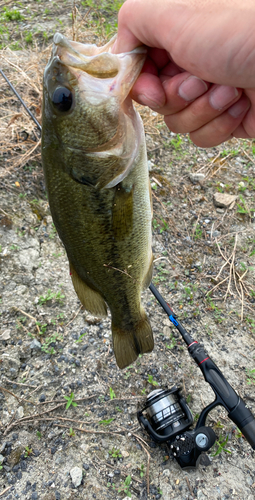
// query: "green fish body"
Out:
[96,174]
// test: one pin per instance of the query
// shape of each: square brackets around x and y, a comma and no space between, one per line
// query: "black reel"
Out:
[169,420]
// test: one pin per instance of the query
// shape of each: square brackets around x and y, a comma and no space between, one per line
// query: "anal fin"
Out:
[90,299]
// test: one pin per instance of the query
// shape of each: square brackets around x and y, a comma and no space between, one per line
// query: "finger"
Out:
[221,128]
[149,91]
[204,109]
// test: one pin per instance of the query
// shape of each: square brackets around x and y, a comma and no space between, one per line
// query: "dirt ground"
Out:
[68,414]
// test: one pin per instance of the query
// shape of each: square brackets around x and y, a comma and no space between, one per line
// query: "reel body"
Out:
[169,420]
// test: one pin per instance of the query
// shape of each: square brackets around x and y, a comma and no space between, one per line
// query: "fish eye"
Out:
[62,99]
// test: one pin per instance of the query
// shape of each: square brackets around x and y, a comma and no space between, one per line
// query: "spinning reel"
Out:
[168,417]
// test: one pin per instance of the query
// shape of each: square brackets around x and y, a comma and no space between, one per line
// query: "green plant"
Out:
[29,37]
[176,142]
[71,432]
[112,393]
[58,296]
[198,233]
[126,486]
[106,421]
[12,15]
[81,337]
[42,327]
[250,376]
[115,453]
[151,381]
[28,451]
[141,470]
[220,445]
[172,343]
[48,340]
[242,207]
[38,434]
[70,400]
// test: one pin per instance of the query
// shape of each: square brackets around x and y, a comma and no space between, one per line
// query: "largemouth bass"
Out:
[95,167]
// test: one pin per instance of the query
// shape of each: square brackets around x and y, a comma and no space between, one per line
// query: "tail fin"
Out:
[129,343]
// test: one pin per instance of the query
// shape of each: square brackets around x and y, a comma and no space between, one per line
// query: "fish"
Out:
[96,176]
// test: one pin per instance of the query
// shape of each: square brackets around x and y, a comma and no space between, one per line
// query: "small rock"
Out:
[167,331]
[1,459]
[84,447]
[20,412]
[196,177]
[223,200]
[42,398]
[125,454]
[76,476]
[6,335]
[35,344]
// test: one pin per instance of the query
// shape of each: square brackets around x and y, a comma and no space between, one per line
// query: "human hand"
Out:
[200,69]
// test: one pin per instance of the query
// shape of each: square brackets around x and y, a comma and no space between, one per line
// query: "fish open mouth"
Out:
[97,69]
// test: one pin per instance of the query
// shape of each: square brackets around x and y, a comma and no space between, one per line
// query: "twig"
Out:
[29,316]
[120,271]
[148,462]
[14,395]
[4,491]
[76,314]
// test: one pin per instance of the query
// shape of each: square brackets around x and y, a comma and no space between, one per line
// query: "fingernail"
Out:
[192,88]
[146,101]
[239,107]
[221,96]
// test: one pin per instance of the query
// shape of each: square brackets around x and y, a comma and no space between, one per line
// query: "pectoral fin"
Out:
[90,299]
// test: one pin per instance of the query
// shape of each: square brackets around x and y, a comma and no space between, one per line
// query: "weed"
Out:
[28,451]
[143,391]
[12,15]
[42,328]
[220,443]
[38,434]
[141,470]
[15,248]
[151,380]
[124,488]
[70,400]
[58,296]
[198,233]
[172,343]
[28,37]
[176,143]
[81,337]
[115,453]
[71,432]
[242,207]
[106,421]
[49,340]
[112,393]
[250,376]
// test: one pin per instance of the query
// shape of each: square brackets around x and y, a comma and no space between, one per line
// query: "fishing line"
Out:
[21,100]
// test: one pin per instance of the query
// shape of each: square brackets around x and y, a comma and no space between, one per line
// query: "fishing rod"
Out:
[170,417]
